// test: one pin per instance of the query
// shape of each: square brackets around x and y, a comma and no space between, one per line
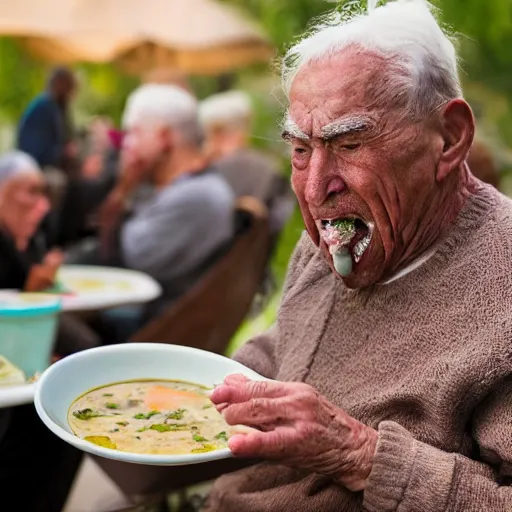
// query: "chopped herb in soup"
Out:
[154,417]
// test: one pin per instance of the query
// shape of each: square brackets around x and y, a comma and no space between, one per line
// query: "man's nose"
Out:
[322,182]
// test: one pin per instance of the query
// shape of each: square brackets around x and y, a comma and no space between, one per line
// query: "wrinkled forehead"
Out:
[339,87]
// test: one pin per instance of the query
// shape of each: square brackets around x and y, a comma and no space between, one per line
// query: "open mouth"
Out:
[350,234]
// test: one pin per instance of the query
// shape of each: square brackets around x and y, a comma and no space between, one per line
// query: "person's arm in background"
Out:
[38,136]
[115,208]
[179,234]
[42,275]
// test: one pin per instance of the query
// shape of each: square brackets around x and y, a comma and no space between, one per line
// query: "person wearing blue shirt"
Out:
[44,131]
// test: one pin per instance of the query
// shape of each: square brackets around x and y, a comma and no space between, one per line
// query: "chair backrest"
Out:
[208,316]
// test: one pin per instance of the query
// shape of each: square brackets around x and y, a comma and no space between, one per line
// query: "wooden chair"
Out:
[208,316]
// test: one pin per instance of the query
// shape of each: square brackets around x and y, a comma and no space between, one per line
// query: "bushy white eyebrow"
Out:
[346,126]
[292,131]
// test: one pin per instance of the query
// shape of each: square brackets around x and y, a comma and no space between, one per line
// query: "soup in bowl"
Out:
[143,403]
[161,417]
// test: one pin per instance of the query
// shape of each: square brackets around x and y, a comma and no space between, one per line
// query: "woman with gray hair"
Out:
[25,261]
[23,207]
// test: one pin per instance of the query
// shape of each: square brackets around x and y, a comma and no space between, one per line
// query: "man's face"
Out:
[356,156]
[145,146]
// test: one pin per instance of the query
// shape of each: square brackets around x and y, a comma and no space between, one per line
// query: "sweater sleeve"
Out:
[411,476]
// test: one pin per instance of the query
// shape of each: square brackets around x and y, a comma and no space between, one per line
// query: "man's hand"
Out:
[133,173]
[297,427]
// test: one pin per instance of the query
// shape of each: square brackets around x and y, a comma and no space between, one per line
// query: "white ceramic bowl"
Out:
[65,381]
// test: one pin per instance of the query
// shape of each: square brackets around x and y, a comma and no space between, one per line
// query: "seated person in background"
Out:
[226,118]
[87,191]
[179,231]
[482,164]
[25,261]
[23,207]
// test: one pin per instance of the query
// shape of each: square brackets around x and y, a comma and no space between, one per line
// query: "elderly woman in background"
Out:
[25,262]
[391,360]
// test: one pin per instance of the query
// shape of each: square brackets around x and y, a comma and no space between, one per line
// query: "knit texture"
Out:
[426,360]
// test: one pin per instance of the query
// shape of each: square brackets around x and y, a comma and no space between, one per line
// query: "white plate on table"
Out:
[94,288]
[73,376]
[21,394]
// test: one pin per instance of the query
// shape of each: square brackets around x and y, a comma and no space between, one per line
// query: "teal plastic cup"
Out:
[28,326]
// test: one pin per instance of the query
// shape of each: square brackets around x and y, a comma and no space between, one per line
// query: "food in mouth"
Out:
[348,240]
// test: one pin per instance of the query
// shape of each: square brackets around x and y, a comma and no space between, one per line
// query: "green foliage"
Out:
[283,20]
[21,78]
[103,91]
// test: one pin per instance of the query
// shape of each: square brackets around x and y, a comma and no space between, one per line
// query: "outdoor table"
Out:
[85,289]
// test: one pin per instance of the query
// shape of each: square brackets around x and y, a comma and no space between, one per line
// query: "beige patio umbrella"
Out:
[195,36]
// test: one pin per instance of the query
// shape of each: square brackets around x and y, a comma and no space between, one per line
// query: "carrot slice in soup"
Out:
[161,398]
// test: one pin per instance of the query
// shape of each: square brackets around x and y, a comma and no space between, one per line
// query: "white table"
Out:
[97,288]
[92,289]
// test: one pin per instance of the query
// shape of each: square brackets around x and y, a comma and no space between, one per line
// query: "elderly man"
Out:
[391,358]
[227,118]
[178,231]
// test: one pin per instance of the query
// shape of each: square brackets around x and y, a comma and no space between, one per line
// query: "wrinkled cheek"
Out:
[309,222]
[299,188]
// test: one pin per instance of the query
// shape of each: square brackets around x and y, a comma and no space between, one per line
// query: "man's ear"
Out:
[458,126]
[168,138]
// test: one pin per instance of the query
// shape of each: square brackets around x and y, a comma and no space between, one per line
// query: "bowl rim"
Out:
[137,458]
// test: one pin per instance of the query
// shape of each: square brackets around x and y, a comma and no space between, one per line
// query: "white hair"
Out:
[167,105]
[16,163]
[227,109]
[404,31]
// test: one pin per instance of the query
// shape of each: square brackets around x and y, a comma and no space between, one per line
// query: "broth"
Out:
[151,417]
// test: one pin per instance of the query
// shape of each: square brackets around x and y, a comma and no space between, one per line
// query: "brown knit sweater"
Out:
[426,360]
